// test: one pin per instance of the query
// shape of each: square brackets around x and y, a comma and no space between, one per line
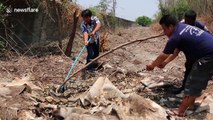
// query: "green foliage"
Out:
[95,11]
[163,10]
[103,5]
[2,46]
[112,21]
[181,8]
[109,18]
[107,6]
[144,20]
[2,11]
[105,13]
[177,8]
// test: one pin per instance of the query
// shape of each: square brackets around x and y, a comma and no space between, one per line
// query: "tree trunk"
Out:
[72,35]
[114,7]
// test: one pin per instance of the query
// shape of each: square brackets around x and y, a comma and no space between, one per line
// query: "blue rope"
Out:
[76,59]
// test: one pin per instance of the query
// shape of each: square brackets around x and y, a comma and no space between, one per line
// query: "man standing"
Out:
[190,19]
[90,27]
[197,45]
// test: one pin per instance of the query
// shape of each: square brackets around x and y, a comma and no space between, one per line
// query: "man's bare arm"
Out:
[158,61]
[85,38]
[97,28]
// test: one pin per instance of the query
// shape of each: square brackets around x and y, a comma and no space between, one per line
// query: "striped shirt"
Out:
[90,27]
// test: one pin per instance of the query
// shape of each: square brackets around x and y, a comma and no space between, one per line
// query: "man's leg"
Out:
[90,55]
[186,74]
[187,102]
[96,49]
[196,81]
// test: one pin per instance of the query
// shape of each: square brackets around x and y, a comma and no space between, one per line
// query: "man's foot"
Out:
[176,90]
[186,103]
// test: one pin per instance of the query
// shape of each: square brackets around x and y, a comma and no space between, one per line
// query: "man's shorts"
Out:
[200,74]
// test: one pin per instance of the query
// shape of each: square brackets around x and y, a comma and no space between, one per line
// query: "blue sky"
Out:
[129,9]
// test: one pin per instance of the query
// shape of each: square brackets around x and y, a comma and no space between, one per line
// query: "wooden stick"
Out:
[110,51]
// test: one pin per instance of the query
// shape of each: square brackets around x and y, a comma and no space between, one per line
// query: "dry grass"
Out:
[156,27]
[104,40]
[208,21]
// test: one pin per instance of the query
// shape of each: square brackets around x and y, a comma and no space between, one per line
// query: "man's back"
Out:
[90,27]
[201,25]
[194,42]
[197,24]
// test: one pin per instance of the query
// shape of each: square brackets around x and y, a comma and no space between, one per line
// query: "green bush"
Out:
[178,9]
[108,17]
[2,11]
[94,10]
[144,20]
[181,8]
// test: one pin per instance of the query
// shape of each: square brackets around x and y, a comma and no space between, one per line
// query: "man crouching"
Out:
[197,45]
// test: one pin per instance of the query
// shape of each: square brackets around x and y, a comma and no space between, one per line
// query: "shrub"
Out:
[2,11]
[144,20]
[181,8]
[178,8]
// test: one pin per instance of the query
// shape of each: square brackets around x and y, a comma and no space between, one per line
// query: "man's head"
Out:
[168,23]
[190,17]
[86,15]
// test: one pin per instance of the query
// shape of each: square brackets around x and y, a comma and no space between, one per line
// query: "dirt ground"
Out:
[37,77]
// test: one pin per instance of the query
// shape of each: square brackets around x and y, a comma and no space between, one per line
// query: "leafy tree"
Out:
[180,9]
[94,10]
[144,20]
[107,6]
[103,5]
[174,7]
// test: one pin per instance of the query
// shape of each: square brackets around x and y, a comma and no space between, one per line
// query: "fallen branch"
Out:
[110,51]
[61,50]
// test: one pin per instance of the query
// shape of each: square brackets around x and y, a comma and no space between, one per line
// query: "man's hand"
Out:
[85,38]
[162,65]
[92,34]
[150,67]
[86,43]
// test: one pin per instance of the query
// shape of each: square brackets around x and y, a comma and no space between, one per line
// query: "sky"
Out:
[128,9]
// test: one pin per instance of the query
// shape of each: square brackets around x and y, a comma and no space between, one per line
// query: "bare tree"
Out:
[103,5]
[72,35]
[114,3]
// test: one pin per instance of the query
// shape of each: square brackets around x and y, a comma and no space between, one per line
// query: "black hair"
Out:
[86,13]
[191,14]
[168,20]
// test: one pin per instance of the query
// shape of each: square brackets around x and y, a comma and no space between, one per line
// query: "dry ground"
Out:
[123,67]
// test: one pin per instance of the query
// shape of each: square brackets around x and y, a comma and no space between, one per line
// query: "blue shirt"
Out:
[198,24]
[194,42]
[90,27]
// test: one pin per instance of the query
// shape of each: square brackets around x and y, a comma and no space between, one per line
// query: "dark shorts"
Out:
[200,74]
